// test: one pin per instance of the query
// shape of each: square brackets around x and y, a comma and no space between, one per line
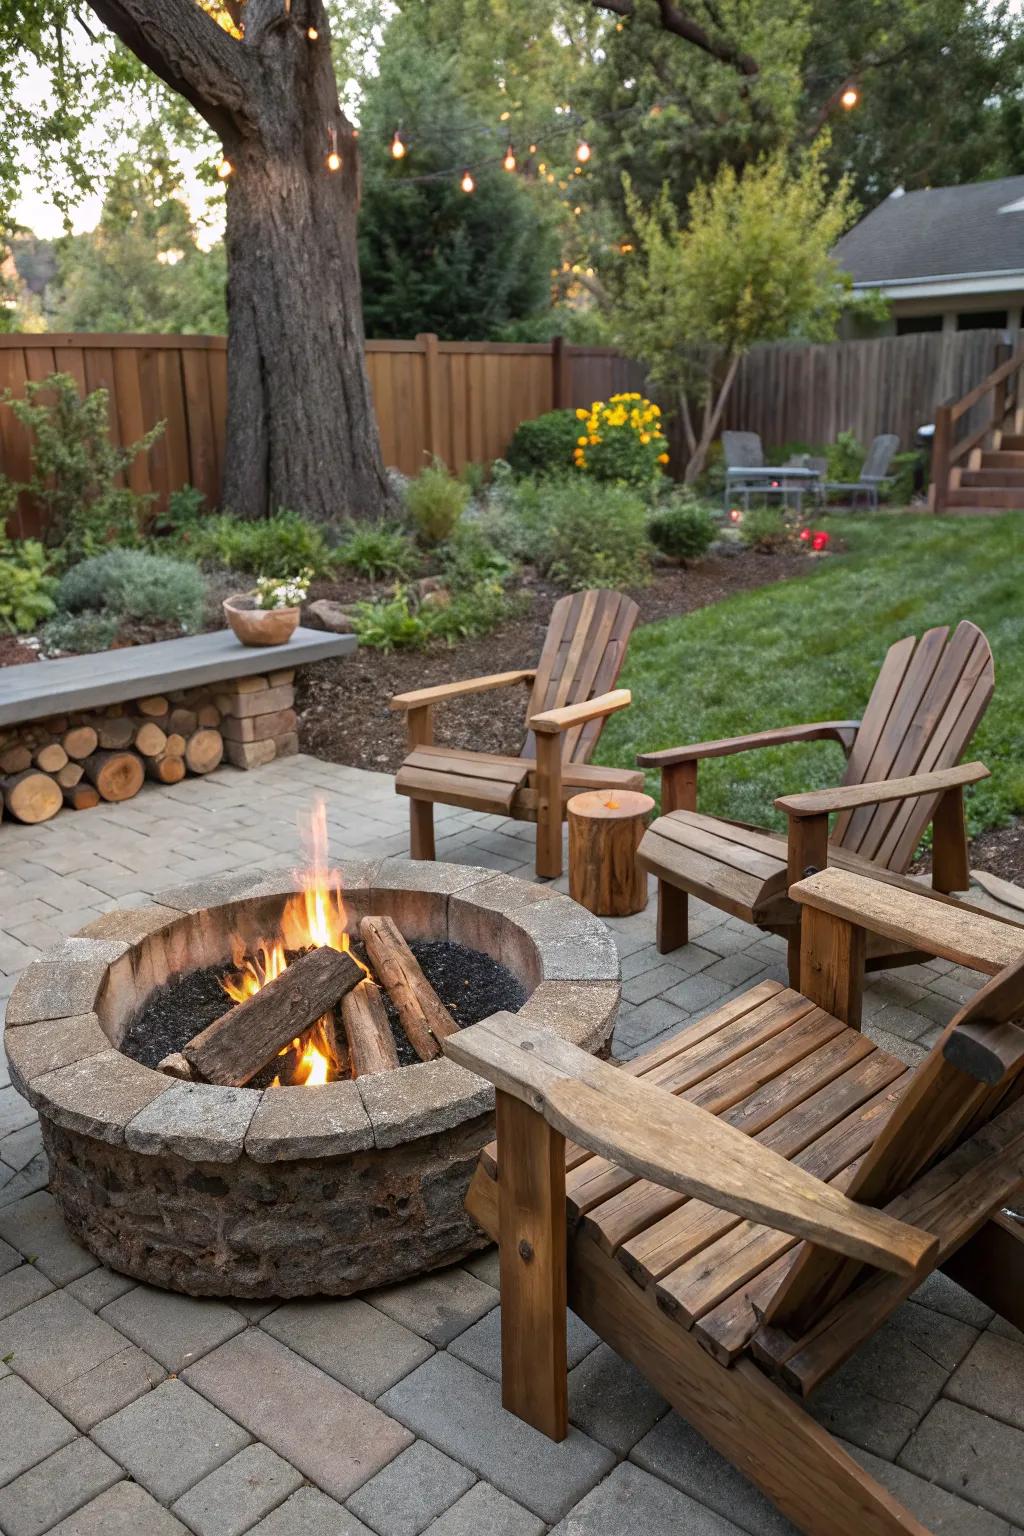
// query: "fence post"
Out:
[433,405]
[942,443]
[561,374]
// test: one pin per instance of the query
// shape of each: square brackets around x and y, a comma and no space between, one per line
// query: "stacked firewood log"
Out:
[107,754]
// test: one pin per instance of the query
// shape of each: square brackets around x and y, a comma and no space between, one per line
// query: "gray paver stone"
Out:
[169,1439]
[196,1121]
[426,1097]
[36,1228]
[55,1340]
[100,1094]
[108,1387]
[56,1487]
[484,1509]
[580,1012]
[32,1428]
[991,1379]
[407,1494]
[676,1453]
[436,1306]
[237,1494]
[942,1293]
[971,1455]
[459,1410]
[334,1438]
[21,1286]
[611,1401]
[355,1343]
[485,1266]
[311,1513]
[480,1346]
[631,1500]
[943,1513]
[64,982]
[175,1329]
[124,1510]
[15,1114]
[100,1287]
[35,1049]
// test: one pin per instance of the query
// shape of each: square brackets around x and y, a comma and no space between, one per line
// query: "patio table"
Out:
[783,478]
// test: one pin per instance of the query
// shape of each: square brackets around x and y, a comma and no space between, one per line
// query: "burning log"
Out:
[423,1016]
[371,1045]
[238,1044]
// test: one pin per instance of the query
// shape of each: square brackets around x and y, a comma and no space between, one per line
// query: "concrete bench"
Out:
[93,727]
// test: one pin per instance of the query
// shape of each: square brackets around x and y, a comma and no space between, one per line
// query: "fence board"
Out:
[480,391]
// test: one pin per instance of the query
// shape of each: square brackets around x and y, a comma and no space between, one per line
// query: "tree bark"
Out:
[712,416]
[301,431]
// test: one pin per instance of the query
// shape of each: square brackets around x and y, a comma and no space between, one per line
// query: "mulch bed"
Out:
[343,704]
[1001,852]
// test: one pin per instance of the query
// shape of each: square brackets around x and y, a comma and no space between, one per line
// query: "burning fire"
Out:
[313,919]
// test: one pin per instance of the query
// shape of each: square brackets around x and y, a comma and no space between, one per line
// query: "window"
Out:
[981,320]
[911,325]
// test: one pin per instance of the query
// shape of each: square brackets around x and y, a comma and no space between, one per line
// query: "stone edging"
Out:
[65,1065]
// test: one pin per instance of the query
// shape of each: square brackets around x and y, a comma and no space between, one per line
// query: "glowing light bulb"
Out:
[312,34]
[334,161]
[533,149]
[583,151]
[509,162]
[467,183]
[850,97]
[397,147]
[225,168]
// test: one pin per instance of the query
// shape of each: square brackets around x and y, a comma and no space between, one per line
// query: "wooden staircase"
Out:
[982,472]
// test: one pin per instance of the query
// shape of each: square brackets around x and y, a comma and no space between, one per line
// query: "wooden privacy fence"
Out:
[463,399]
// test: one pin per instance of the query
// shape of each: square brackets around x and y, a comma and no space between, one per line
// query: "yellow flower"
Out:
[581,413]
[594,438]
[655,410]
[645,437]
[662,458]
[582,442]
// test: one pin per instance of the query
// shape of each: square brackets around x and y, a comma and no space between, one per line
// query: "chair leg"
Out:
[673,917]
[549,807]
[421,829]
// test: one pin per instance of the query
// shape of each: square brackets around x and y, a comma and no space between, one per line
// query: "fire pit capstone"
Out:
[286,1191]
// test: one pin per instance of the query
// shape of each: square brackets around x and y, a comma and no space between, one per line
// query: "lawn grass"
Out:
[810,648]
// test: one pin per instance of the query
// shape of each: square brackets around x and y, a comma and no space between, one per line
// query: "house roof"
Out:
[941,232]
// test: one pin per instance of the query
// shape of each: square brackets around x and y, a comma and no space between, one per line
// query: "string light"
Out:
[333,158]
[850,97]
[583,151]
[312,34]
[467,183]
[509,162]
[397,147]
[225,168]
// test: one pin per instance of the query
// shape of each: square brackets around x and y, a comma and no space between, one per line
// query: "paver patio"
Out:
[129,1412]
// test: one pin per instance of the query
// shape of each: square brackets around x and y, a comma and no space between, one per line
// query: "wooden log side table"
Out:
[605,828]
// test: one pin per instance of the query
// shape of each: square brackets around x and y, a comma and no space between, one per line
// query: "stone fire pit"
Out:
[284,1191]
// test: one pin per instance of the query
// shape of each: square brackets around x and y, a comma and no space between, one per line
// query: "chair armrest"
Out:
[951,930]
[648,1131]
[422,696]
[551,721]
[823,730]
[820,802]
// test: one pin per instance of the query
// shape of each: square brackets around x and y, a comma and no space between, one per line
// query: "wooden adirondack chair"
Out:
[572,695]
[900,775]
[751,1201]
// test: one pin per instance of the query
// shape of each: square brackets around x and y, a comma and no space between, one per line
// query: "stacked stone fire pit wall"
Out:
[285,1191]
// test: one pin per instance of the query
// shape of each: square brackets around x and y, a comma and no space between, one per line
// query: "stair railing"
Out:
[1003,386]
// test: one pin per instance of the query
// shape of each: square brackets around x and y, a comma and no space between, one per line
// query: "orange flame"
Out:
[314,918]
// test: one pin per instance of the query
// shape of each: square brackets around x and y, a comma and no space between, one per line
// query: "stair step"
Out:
[1014,442]
[987,496]
[999,479]
[1002,458]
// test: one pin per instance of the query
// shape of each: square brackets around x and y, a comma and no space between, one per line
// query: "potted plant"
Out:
[269,614]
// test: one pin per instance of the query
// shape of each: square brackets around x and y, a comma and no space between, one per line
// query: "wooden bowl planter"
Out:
[259,626]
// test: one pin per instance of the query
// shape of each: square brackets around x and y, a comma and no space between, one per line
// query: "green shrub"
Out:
[281,545]
[682,529]
[127,583]
[75,468]
[582,533]
[903,470]
[396,625]
[390,625]
[474,475]
[545,445]
[435,502]
[845,458]
[622,440]
[377,550]
[764,529]
[185,508]
[26,587]
[472,554]
[82,633]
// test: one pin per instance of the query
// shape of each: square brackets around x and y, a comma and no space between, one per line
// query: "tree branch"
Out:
[677,21]
[188,51]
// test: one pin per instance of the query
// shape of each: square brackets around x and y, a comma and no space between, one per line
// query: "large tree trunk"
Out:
[301,432]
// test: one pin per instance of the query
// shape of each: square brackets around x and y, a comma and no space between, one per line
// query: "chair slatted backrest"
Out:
[583,653]
[742,450]
[942,1106]
[924,708]
[880,456]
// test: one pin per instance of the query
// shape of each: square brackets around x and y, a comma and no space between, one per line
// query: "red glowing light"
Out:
[805,534]
[820,541]
[735,516]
